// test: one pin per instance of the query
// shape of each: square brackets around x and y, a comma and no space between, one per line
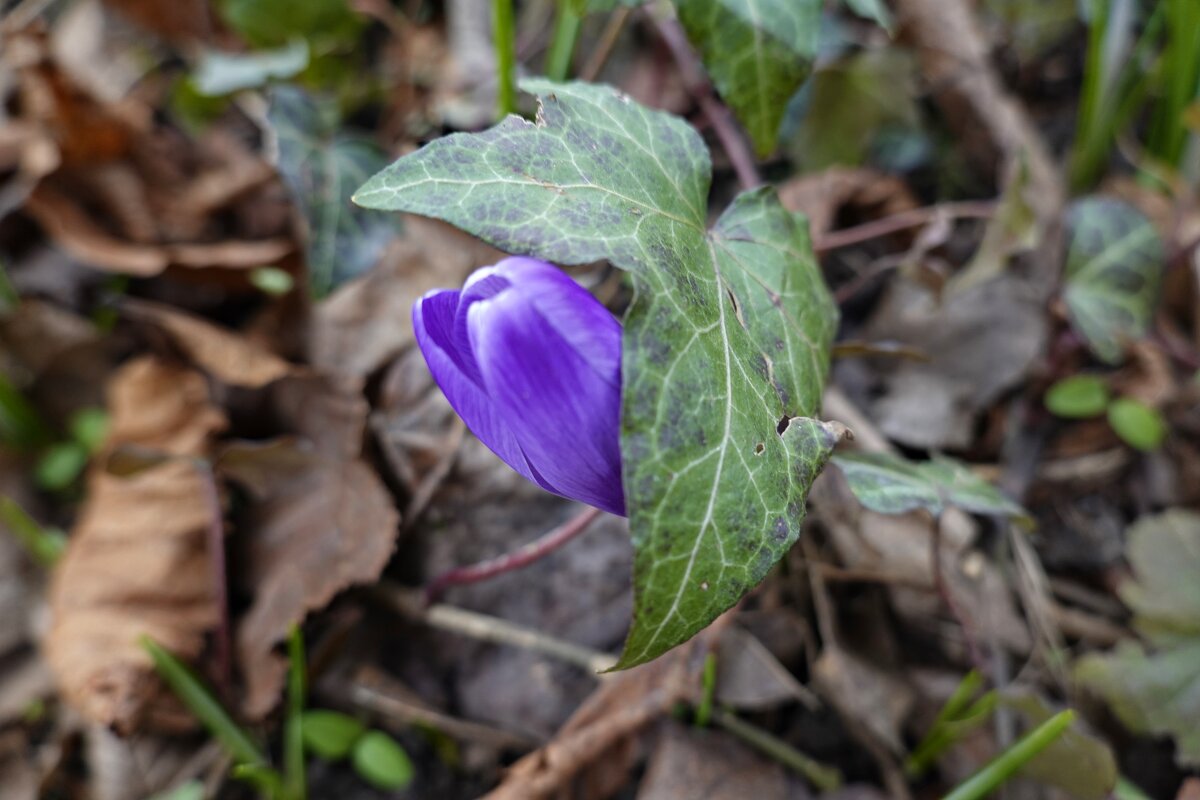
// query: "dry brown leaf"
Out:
[321,520]
[709,764]
[621,706]
[858,690]
[368,321]
[231,358]
[750,677]
[137,562]
[318,526]
[820,196]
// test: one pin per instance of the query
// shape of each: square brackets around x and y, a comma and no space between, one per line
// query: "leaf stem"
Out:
[1003,766]
[533,551]
[504,38]
[567,21]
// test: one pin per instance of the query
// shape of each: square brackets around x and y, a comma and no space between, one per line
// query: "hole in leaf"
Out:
[758,448]
[732,300]
[782,427]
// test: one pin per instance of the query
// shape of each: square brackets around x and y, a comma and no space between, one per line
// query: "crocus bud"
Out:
[532,363]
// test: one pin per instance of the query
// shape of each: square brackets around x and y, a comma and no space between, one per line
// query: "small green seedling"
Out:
[1087,396]
[61,464]
[376,757]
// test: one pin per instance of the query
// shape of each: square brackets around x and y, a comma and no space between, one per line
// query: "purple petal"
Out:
[551,365]
[433,322]
[581,320]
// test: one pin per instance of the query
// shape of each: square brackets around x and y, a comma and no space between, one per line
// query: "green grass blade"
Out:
[504,37]
[1001,768]
[188,688]
[293,730]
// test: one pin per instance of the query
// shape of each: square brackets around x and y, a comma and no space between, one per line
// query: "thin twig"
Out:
[608,40]
[433,480]
[944,592]
[369,691]
[215,536]
[915,217]
[411,604]
[524,556]
[698,85]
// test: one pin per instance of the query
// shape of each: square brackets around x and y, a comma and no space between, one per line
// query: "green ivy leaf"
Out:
[1078,397]
[874,10]
[1114,269]
[1158,692]
[894,485]
[321,168]
[224,73]
[758,52]
[329,734]
[726,341]
[382,762]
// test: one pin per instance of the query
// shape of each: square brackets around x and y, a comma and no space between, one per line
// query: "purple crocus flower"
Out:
[532,363]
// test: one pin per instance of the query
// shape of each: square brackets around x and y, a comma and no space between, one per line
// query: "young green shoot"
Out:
[1000,769]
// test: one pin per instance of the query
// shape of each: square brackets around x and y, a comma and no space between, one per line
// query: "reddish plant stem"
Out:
[967,209]
[215,535]
[527,554]
[698,85]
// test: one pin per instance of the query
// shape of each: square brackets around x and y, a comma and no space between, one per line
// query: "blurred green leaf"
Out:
[224,73]
[1164,551]
[60,464]
[322,167]
[874,10]
[850,102]
[1158,692]
[272,280]
[330,734]
[20,424]
[88,427]
[1078,397]
[382,762]
[1115,264]
[1138,425]
[893,485]
[758,52]
[272,23]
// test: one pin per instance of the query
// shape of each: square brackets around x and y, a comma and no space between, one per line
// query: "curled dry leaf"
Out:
[230,358]
[368,320]
[136,563]
[320,521]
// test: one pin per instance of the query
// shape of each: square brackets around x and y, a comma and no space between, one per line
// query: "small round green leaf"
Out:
[272,280]
[60,465]
[1078,397]
[1140,426]
[89,426]
[381,762]
[330,735]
